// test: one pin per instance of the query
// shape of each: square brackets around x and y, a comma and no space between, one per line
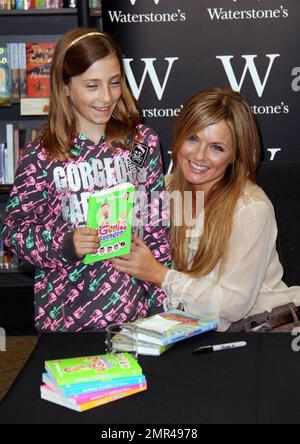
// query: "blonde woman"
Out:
[232,269]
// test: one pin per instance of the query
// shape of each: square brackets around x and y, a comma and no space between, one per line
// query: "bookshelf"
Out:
[64,11]
[16,285]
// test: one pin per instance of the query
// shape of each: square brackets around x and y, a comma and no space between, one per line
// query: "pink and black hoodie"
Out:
[49,201]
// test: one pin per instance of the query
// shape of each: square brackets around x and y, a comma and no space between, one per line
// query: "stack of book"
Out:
[81,384]
[156,334]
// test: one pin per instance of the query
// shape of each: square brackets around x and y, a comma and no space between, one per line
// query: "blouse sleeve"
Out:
[234,295]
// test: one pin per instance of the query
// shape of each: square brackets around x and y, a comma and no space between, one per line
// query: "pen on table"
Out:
[221,347]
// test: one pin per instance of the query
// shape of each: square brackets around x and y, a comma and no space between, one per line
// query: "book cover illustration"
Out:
[92,368]
[5,77]
[39,58]
[110,212]
[170,327]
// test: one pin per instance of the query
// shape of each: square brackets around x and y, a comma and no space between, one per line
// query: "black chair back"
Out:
[281,182]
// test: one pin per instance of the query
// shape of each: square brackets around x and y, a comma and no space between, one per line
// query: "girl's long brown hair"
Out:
[204,109]
[73,60]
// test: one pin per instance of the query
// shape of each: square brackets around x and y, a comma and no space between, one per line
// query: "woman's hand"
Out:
[86,241]
[141,264]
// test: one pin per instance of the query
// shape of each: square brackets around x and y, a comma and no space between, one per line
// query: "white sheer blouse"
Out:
[252,280]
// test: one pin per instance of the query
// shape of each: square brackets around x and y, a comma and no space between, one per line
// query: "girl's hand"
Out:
[141,264]
[86,241]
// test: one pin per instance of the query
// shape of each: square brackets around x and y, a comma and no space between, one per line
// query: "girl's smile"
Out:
[94,96]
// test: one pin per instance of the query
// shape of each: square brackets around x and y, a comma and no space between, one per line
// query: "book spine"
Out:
[14,71]
[85,389]
[180,336]
[83,399]
[6,4]
[29,4]
[9,165]
[2,163]
[108,399]
[22,69]
[54,4]
[19,4]
[40,4]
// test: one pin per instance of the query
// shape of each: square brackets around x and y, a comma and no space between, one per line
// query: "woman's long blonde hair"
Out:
[207,108]
[72,59]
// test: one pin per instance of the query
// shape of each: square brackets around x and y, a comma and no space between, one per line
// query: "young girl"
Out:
[88,144]
[232,270]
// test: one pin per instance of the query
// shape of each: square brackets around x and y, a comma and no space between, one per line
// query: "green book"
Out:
[110,212]
[5,77]
[93,368]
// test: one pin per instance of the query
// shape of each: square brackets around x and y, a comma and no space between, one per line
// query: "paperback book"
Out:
[110,212]
[5,77]
[168,328]
[93,368]
[39,58]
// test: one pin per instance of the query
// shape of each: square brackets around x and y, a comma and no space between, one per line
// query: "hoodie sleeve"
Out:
[155,215]
[33,228]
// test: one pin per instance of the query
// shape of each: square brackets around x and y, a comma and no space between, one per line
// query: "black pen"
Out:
[221,347]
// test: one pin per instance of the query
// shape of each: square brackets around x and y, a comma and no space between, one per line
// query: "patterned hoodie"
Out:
[49,201]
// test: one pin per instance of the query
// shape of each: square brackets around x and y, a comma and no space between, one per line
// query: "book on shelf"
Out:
[2,163]
[22,69]
[110,212]
[9,161]
[7,4]
[13,54]
[165,329]
[5,77]
[81,384]
[39,58]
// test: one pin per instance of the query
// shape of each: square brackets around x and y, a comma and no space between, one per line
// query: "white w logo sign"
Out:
[249,66]
[133,2]
[149,69]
